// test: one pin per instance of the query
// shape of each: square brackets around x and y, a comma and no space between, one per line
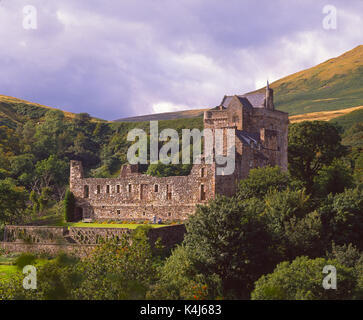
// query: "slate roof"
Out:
[255,100]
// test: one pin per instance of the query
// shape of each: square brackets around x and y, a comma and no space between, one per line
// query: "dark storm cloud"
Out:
[122,58]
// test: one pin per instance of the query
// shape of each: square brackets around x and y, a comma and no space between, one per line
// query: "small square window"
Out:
[118,212]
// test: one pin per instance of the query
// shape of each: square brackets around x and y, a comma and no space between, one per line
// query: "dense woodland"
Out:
[270,241]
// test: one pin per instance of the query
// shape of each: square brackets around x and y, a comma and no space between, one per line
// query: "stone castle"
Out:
[260,140]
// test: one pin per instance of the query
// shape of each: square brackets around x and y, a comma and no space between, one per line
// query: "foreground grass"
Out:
[7,271]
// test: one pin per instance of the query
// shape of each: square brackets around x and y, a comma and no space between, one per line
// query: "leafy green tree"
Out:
[179,278]
[294,228]
[262,180]
[312,144]
[302,280]
[49,135]
[342,217]
[53,172]
[12,202]
[333,178]
[117,270]
[33,197]
[166,170]
[69,206]
[22,163]
[229,241]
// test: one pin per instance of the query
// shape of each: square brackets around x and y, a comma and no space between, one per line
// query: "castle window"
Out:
[143,213]
[129,187]
[156,188]
[202,172]
[235,119]
[202,192]
[86,191]
[168,193]
[169,214]
[118,212]
[107,189]
[118,188]
[98,189]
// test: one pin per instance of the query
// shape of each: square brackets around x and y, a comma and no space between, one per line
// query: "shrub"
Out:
[24,259]
[69,206]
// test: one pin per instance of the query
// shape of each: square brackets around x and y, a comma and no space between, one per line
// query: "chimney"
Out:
[269,98]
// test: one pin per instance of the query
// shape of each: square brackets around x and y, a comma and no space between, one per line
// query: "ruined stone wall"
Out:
[81,241]
[95,235]
[34,234]
[48,248]
[141,197]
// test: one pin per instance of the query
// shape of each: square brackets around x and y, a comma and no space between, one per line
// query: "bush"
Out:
[25,259]
[69,206]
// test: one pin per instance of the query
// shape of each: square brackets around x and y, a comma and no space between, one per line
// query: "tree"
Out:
[262,180]
[69,206]
[52,171]
[165,170]
[12,202]
[312,144]
[342,217]
[294,228]
[302,280]
[333,178]
[180,279]
[117,270]
[229,241]
[50,134]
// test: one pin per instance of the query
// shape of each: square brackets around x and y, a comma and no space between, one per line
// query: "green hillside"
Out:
[332,85]
[347,120]
[14,111]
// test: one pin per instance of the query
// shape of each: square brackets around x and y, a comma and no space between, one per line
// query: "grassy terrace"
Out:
[8,267]
[109,225]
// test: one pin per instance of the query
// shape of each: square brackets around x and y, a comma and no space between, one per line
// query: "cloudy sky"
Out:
[119,58]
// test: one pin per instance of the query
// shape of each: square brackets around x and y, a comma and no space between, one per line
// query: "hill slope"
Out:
[186,114]
[334,84]
[14,111]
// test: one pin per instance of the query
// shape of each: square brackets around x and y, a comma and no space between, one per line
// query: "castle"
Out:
[260,140]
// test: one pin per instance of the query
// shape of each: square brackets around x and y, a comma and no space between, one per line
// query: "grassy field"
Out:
[7,271]
[339,115]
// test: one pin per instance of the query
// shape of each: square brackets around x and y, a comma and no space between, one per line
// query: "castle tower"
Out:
[76,172]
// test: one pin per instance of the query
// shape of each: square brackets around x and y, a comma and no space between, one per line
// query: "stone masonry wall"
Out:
[141,197]
[261,140]
[79,241]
